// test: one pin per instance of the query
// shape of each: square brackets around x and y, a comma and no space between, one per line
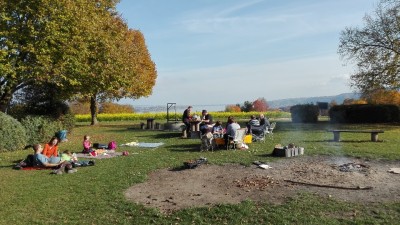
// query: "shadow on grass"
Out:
[184,148]
[268,155]
[344,141]
[164,135]
[159,135]
[179,168]
[8,166]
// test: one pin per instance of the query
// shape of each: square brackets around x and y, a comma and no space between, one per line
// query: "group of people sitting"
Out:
[49,157]
[205,121]
[215,130]
[260,121]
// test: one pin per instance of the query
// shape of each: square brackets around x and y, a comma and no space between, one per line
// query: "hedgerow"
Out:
[163,116]
[39,129]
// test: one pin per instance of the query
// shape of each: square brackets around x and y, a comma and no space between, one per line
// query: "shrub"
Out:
[39,129]
[364,114]
[12,134]
[67,121]
[232,108]
[307,113]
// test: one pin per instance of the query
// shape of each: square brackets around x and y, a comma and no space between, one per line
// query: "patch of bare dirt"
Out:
[347,179]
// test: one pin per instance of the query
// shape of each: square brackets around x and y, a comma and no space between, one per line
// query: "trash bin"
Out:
[150,122]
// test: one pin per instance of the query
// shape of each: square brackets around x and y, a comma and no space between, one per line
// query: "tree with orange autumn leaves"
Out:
[380,96]
[259,105]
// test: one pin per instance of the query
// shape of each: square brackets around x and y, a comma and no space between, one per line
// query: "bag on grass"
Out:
[99,146]
[112,145]
[28,162]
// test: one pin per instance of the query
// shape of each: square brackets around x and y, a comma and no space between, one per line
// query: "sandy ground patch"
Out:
[207,185]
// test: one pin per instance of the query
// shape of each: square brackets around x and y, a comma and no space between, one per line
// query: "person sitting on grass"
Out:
[51,148]
[87,144]
[53,162]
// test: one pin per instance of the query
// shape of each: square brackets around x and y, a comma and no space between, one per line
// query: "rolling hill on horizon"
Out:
[312,100]
[280,103]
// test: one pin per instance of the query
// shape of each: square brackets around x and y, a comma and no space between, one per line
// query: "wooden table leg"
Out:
[336,136]
[193,128]
[374,136]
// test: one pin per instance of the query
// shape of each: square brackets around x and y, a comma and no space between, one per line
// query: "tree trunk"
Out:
[5,101]
[93,109]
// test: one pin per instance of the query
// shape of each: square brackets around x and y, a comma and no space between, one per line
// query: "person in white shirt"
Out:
[231,130]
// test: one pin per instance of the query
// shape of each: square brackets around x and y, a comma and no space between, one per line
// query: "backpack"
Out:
[112,145]
[28,162]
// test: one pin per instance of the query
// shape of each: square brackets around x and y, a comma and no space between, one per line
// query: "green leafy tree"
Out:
[40,41]
[375,48]
[40,99]
[247,106]
[83,47]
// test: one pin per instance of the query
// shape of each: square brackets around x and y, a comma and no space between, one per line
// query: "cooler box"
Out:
[219,141]
[247,139]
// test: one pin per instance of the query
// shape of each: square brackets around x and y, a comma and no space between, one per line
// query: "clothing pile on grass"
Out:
[193,163]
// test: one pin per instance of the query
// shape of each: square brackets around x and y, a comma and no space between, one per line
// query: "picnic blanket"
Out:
[142,144]
[101,154]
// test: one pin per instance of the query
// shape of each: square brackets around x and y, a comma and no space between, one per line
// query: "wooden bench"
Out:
[374,133]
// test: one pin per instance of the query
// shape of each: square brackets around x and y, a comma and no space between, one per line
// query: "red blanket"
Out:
[36,168]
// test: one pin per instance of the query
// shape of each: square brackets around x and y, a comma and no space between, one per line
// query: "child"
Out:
[87,145]
[206,141]
[73,159]
[217,130]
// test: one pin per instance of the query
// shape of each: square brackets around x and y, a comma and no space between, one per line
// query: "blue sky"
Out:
[231,51]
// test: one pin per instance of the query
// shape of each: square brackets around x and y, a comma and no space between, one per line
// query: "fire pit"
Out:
[353,167]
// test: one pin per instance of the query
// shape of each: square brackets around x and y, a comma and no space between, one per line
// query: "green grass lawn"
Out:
[94,195]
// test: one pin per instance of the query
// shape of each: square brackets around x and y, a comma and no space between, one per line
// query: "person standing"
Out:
[186,117]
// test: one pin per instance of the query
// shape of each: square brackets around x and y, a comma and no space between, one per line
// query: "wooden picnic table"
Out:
[195,125]
[374,133]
